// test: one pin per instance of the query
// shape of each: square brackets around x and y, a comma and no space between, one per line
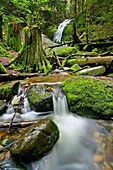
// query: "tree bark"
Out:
[32,57]
[1,23]
[14,36]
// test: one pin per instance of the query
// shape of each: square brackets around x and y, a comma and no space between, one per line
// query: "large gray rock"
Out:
[40,99]
[37,140]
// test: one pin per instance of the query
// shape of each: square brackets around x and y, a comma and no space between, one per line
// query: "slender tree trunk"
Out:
[14,36]
[1,23]
[83,1]
[87,21]
[32,56]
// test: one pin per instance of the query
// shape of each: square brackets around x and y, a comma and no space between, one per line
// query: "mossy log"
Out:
[106,60]
[100,60]
[14,36]
[18,76]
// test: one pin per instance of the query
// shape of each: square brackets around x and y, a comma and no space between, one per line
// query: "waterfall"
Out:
[58,34]
[75,147]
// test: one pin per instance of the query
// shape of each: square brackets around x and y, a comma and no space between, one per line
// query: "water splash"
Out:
[75,147]
[59,32]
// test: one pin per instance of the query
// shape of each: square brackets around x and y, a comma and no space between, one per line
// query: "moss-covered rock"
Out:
[75,67]
[37,140]
[89,97]
[39,99]
[62,51]
[79,61]
[94,71]
[7,91]
[2,69]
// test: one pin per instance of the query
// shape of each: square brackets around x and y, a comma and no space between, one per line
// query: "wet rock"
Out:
[39,99]
[37,140]
[94,71]
[7,91]
[3,106]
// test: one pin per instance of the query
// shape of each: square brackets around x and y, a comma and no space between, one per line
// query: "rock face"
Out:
[39,99]
[89,96]
[37,140]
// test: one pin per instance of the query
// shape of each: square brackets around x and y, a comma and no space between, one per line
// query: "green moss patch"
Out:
[89,97]
[2,69]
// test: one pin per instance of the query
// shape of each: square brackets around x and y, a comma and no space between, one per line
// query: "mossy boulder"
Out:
[7,91]
[39,99]
[89,97]
[94,71]
[79,61]
[62,51]
[37,140]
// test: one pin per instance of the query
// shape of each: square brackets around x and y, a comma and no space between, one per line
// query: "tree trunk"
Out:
[1,23]
[87,21]
[14,36]
[32,57]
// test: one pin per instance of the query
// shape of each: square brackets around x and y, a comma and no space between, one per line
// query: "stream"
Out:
[84,144]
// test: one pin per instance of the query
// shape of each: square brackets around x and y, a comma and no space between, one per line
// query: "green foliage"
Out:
[14,36]
[3,51]
[2,69]
[68,32]
[89,97]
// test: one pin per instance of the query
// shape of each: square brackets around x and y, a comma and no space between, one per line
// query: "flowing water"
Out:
[75,147]
[59,32]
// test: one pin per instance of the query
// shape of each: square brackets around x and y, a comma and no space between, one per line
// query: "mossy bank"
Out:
[89,97]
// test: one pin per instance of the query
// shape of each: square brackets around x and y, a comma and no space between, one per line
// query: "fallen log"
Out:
[106,60]
[100,60]
[18,76]
[17,124]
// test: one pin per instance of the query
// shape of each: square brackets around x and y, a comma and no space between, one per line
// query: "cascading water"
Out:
[75,147]
[58,34]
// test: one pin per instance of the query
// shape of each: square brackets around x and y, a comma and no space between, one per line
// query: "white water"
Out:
[75,147]
[59,32]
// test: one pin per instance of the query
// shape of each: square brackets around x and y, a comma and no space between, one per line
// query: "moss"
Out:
[62,51]
[2,69]
[92,71]
[3,52]
[75,67]
[13,36]
[65,51]
[89,97]
[7,91]
[68,32]
[39,99]
[79,61]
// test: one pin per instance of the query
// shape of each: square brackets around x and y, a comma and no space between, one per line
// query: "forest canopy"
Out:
[31,18]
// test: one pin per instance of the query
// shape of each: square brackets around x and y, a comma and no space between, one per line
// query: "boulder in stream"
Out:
[89,97]
[37,141]
[40,99]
